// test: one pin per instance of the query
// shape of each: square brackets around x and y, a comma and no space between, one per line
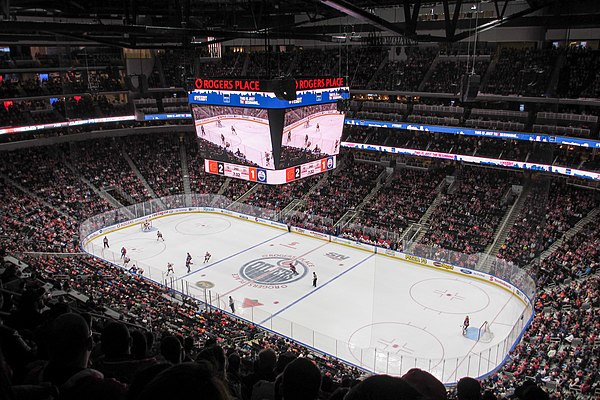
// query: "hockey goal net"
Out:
[146,225]
[485,334]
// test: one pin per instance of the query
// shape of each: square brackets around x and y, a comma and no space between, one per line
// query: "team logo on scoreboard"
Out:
[330,163]
[276,271]
[261,175]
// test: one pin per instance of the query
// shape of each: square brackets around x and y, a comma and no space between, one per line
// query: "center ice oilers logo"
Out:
[273,270]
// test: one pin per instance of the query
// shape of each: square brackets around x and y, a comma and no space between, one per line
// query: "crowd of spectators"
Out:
[551,353]
[44,330]
[576,257]
[514,150]
[579,74]
[400,202]
[158,161]
[318,62]
[551,208]
[361,63]
[517,72]
[278,197]
[405,74]
[67,82]
[522,72]
[41,171]
[231,64]
[156,332]
[29,224]
[200,181]
[107,169]
[559,350]
[343,191]
[447,74]
[37,112]
[267,65]
[467,216]
[237,188]
[107,56]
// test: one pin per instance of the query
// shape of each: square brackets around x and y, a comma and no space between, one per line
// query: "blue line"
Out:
[313,291]
[231,256]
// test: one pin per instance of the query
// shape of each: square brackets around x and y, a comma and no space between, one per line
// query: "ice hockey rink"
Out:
[383,314]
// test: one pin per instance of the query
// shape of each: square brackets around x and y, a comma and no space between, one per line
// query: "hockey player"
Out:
[314,279]
[123,252]
[231,305]
[207,257]
[233,132]
[170,269]
[465,325]
[105,241]
[202,132]
[159,236]
[317,129]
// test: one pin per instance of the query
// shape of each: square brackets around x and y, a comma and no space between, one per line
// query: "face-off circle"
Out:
[203,225]
[143,249]
[394,343]
[449,296]
[273,270]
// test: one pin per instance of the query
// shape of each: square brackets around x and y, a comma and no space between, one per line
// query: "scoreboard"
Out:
[271,177]
[248,130]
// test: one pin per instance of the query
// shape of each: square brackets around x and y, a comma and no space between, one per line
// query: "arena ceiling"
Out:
[183,23]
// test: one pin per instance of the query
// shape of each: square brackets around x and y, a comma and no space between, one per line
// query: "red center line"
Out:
[270,272]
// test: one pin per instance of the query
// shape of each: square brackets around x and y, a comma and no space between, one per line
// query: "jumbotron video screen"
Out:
[311,133]
[258,136]
[234,134]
